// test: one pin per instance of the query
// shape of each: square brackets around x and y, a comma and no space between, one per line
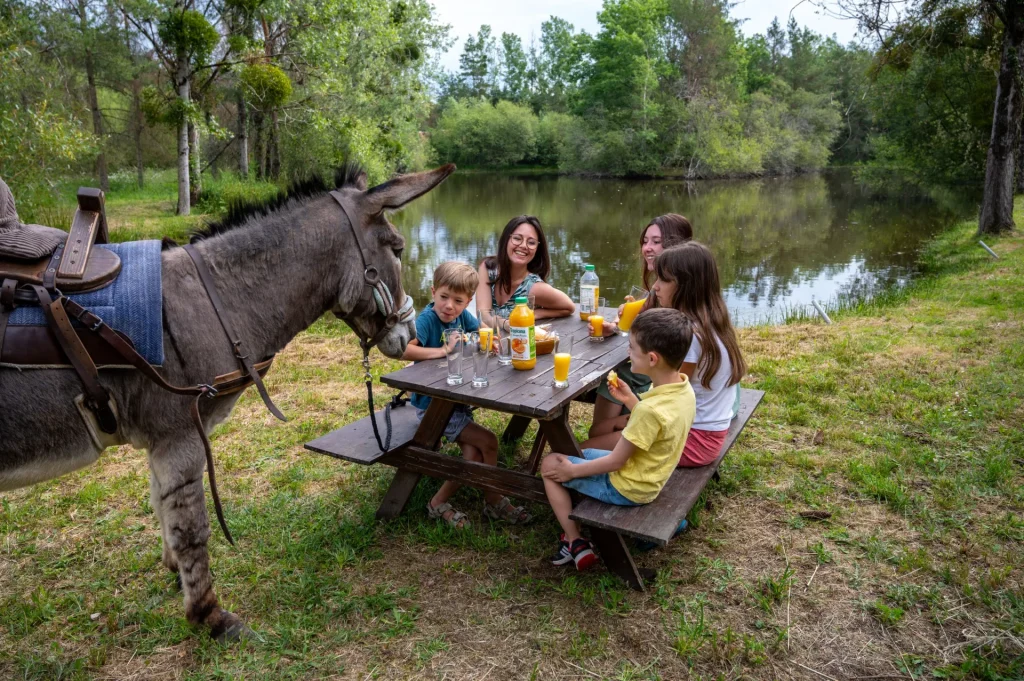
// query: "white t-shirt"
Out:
[714,404]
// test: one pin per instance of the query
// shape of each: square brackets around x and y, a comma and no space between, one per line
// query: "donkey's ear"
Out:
[395,193]
[360,181]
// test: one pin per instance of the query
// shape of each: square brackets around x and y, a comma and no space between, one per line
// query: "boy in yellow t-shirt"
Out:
[634,472]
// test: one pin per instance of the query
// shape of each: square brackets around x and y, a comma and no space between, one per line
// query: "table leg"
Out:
[613,551]
[515,429]
[535,453]
[428,435]
[559,434]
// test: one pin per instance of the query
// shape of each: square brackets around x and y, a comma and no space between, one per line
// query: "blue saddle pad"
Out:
[132,304]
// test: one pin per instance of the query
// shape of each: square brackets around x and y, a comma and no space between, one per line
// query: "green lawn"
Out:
[902,421]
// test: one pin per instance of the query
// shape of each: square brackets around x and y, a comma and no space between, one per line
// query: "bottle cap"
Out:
[588,268]
[521,300]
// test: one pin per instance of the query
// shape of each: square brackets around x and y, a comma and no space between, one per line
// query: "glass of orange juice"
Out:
[631,309]
[563,358]
[597,322]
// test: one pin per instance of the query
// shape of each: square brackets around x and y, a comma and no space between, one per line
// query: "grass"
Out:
[902,421]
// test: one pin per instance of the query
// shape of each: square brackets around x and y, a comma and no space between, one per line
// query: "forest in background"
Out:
[276,88]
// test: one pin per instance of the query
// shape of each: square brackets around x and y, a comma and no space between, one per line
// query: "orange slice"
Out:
[613,379]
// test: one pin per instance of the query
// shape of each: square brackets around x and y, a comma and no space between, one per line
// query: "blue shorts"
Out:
[461,417]
[597,486]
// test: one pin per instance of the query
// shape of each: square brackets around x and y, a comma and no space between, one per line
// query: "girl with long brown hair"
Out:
[688,281]
[660,233]
[519,269]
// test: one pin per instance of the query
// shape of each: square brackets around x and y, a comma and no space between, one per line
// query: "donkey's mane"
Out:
[240,212]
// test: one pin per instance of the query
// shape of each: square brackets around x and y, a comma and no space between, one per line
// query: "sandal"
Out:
[504,510]
[457,519]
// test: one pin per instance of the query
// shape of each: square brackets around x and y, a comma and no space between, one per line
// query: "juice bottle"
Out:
[524,345]
[589,292]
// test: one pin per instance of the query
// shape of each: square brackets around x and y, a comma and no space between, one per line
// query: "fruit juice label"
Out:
[524,344]
[588,296]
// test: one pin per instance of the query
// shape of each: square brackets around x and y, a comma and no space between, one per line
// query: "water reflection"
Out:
[780,242]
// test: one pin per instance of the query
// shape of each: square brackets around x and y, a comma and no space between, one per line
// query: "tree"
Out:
[515,73]
[893,21]
[477,63]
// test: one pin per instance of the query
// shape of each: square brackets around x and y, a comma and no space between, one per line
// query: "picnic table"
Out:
[526,396]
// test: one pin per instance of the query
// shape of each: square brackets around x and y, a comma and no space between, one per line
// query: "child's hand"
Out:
[620,390]
[561,471]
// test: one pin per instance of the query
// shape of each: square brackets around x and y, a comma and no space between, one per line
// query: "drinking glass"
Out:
[454,348]
[563,360]
[597,322]
[531,301]
[480,348]
[631,309]
[504,341]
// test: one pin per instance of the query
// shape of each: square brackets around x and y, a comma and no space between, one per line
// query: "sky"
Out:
[525,16]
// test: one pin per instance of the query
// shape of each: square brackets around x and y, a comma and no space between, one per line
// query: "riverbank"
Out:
[900,423]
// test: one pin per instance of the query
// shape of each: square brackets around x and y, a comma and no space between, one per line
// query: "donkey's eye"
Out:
[398,250]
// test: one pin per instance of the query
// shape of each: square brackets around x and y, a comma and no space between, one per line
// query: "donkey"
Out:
[277,270]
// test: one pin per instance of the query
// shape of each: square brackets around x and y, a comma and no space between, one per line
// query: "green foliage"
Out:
[478,134]
[265,85]
[39,138]
[190,33]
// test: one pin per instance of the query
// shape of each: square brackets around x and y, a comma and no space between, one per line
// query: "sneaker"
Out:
[563,557]
[582,554]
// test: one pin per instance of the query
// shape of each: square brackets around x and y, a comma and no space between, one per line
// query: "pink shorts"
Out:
[702,447]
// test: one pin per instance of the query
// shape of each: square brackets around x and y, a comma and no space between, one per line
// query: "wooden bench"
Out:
[657,521]
[356,443]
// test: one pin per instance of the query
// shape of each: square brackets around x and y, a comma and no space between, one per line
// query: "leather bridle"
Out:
[392,317]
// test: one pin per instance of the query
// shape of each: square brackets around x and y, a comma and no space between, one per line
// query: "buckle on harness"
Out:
[208,390]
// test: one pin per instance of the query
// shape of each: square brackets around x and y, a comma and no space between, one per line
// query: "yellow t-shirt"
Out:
[658,428]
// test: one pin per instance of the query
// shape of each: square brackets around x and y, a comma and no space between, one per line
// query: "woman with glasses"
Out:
[519,269]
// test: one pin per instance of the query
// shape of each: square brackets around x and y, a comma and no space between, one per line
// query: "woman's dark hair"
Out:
[540,265]
[675,230]
[699,296]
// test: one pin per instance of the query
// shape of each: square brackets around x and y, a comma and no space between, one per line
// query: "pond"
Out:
[780,242]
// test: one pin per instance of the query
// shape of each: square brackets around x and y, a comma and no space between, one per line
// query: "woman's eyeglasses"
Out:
[517,240]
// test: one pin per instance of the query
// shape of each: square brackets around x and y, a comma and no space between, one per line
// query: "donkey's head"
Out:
[383,246]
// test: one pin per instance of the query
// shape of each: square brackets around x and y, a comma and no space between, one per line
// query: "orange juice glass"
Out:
[596,327]
[524,343]
[631,309]
[562,361]
[486,338]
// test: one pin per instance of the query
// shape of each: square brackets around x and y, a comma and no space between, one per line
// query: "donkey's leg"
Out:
[169,560]
[177,469]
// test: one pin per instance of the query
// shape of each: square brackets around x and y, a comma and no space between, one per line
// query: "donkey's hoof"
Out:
[237,631]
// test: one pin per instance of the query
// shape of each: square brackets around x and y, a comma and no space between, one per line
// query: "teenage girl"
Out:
[660,233]
[687,280]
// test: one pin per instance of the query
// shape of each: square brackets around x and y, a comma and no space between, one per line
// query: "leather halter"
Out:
[381,293]
[386,306]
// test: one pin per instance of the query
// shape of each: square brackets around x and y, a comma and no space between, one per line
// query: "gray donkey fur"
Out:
[276,274]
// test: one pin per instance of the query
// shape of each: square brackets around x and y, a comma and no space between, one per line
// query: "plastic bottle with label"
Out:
[590,291]
[521,331]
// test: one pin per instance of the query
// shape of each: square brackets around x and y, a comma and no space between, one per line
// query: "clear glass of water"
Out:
[481,352]
[504,341]
[454,347]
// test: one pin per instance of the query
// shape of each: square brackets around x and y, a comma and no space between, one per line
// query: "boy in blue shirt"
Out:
[454,285]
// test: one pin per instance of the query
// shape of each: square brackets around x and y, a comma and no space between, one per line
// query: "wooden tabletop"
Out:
[526,393]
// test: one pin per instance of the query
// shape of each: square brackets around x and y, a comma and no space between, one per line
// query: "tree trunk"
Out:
[260,146]
[137,127]
[94,104]
[996,214]
[274,147]
[195,159]
[243,137]
[184,94]
[1019,186]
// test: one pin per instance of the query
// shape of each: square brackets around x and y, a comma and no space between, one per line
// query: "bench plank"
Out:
[355,442]
[657,521]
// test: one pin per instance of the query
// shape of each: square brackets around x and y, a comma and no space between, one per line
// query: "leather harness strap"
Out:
[236,342]
[98,397]
[7,290]
[50,273]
